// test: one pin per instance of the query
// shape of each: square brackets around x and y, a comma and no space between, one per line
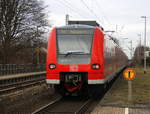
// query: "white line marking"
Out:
[126,110]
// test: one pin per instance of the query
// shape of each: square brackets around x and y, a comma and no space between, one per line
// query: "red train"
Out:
[81,58]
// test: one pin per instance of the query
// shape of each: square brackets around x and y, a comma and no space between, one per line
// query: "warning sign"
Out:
[129,74]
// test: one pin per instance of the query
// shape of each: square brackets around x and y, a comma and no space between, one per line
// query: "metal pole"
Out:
[140,40]
[139,51]
[144,44]
[67,19]
[131,49]
[129,90]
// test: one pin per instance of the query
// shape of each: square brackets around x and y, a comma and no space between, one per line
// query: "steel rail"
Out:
[44,107]
[19,79]
[84,107]
[21,75]
[81,109]
[19,87]
[20,83]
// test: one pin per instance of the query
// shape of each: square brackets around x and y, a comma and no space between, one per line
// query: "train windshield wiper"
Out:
[74,52]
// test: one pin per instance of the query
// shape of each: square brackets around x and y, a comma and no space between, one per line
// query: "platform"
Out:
[120,110]
[116,100]
[11,76]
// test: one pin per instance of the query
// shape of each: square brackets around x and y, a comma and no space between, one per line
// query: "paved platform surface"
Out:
[119,110]
[116,100]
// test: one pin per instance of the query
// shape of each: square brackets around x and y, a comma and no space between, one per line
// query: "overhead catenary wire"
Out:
[99,6]
[69,7]
[106,17]
[90,10]
[75,9]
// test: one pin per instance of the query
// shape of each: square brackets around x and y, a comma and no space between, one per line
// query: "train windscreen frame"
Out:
[74,45]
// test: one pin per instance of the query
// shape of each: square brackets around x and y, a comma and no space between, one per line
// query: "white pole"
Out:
[131,49]
[129,90]
[144,44]
[139,51]
[67,19]
[129,81]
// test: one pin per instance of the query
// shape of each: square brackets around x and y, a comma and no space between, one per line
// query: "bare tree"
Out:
[21,21]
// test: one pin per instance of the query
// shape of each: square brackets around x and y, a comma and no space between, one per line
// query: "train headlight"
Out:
[95,66]
[52,66]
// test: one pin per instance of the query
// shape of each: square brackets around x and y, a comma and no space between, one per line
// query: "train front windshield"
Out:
[74,46]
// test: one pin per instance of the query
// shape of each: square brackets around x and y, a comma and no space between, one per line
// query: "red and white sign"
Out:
[74,68]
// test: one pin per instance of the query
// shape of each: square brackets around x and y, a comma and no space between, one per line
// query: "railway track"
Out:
[71,105]
[22,86]
[6,81]
[12,83]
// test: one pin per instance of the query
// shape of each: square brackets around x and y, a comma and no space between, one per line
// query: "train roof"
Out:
[91,23]
[76,26]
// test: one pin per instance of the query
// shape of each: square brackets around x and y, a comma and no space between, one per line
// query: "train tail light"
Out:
[95,66]
[52,66]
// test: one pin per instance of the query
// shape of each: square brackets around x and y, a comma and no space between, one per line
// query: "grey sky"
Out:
[125,14]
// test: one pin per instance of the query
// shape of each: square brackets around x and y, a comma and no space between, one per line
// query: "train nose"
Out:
[73,80]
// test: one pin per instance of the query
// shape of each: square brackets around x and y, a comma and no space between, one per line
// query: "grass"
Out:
[141,87]
[118,95]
